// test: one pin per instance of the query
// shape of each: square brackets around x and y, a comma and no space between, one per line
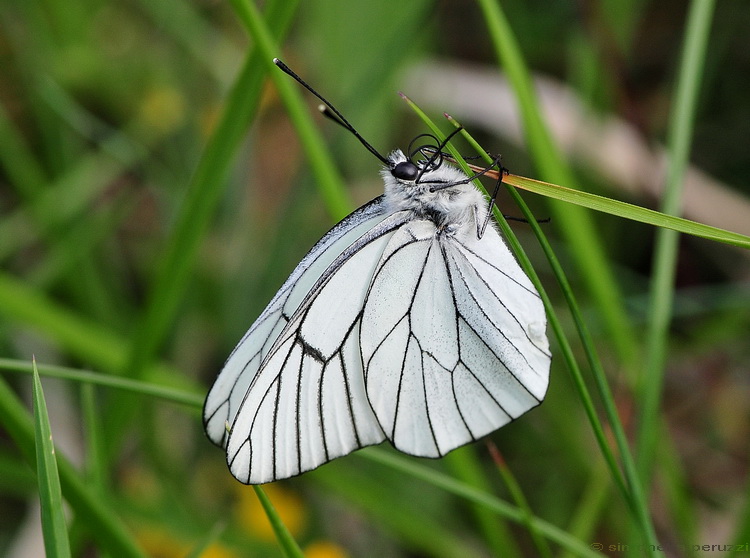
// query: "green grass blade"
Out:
[196,212]
[632,492]
[676,488]
[504,509]
[93,436]
[21,166]
[592,501]
[167,393]
[398,510]
[628,211]
[574,224]
[464,465]
[54,528]
[288,544]
[329,181]
[542,548]
[665,256]
[202,198]
[81,337]
[60,203]
[185,24]
[19,302]
[104,526]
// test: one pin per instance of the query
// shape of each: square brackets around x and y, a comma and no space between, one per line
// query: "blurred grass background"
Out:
[154,195]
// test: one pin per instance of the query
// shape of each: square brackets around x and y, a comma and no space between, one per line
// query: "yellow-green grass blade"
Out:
[102,523]
[54,528]
[288,545]
[627,210]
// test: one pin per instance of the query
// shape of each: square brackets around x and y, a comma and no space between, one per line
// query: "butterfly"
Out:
[409,321]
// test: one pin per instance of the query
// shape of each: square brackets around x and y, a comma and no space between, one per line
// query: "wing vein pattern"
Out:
[291,418]
[393,326]
[243,363]
[446,359]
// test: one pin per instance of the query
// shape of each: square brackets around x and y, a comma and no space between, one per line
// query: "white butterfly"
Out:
[408,321]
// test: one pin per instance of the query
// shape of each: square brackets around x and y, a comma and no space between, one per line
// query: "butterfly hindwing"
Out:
[446,358]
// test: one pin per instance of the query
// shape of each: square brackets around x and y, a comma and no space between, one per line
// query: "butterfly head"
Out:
[431,189]
[423,173]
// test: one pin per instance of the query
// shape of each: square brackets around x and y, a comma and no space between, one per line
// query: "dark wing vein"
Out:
[230,386]
[500,301]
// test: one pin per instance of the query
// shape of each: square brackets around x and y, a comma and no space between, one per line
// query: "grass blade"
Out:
[92,342]
[554,323]
[202,198]
[574,225]
[54,528]
[287,542]
[510,481]
[167,393]
[196,212]
[628,211]
[504,509]
[464,465]
[328,179]
[24,173]
[421,530]
[632,491]
[93,436]
[104,526]
[665,256]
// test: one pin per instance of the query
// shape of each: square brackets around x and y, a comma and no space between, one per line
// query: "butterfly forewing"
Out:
[307,403]
[227,393]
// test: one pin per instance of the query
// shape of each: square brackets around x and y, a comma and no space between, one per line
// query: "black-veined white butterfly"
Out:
[409,321]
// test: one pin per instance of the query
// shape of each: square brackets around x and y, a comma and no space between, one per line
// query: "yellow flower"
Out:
[160,544]
[324,549]
[162,110]
[157,543]
[218,551]
[251,516]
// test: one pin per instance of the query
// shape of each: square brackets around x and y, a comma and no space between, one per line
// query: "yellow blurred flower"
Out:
[162,544]
[218,551]
[251,516]
[324,549]
[162,110]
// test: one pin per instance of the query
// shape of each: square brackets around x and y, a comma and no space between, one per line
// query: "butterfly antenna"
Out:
[438,154]
[330,111]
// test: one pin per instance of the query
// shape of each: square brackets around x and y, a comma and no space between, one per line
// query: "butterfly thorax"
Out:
[438,194]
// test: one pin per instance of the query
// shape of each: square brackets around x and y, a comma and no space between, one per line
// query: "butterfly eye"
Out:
[405,170]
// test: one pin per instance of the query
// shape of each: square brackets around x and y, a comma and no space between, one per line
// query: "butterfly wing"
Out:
[452,339]
[225,397]
[307,403]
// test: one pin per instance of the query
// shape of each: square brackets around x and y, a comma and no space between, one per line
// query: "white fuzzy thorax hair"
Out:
[457,209]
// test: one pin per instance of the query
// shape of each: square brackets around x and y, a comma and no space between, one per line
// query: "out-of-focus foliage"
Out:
[108,110]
